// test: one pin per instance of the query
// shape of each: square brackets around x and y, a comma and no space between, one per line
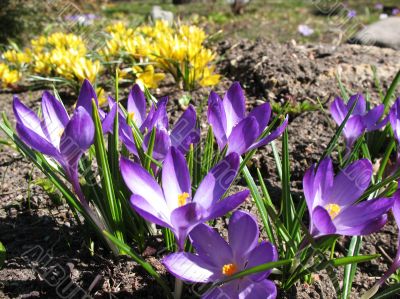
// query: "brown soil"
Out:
[30,219]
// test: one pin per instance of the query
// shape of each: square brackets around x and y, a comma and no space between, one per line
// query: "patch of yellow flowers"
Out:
[177,50]
[146,53]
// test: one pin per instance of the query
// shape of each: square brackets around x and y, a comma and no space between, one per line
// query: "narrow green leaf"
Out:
[2,255]
[350,270]
[391,91]
[343,261]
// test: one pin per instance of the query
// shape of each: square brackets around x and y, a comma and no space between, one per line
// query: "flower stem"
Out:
[178,288]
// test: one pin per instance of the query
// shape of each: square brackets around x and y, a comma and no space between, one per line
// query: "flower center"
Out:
[60,132]
[229,269]
[131,116]
[182,198]
[333,210]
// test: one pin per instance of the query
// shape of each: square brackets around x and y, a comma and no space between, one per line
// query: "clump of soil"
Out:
[29,219]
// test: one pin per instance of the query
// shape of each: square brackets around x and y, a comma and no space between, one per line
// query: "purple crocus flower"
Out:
[395,11]
[305,30]
[232,128]
[360,120]
[216,260]
[173,205]
[351,14]
[181,136]
[57,135]
[394,117]
[378,6]
[331,201]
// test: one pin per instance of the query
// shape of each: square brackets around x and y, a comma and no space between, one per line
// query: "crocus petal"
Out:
[394,117]
[243,136]
[243,234]
[206,240]
[36,141]
[263,289]
[353,129]
[160,117]
[323,181]
[371,119]
[78,136]
[189,267]
[262,114]
[108,121]
[264,253]
[148,123]
[27,118]
[137,104]
[151,210]
[175,178]
[360,107]
[308,187]
[217,181]
[140,182]
[86,94]
[323,222]
[126,136]
[234,105]
[55,117]
[226,291]
[185,132]
[162,143]
[217,119]
[338,110]
[272,136]
[350,183]
[365,228]
[226,205]
[184,219]
[358,215]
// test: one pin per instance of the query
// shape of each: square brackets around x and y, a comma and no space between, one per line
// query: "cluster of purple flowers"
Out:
[174,203]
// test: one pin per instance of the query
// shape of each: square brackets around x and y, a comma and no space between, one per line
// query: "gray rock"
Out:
[157,13]
[384,33]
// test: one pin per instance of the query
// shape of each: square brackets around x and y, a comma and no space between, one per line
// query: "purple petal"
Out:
[360,107]
[264,253]
[184,219]
[396,208]
[217,181]
[264,289]
[338,110]
[206,240]
[323,182]
[27,118]
[365,228]
[217,119]
[35,141]
[175,178]
[55,117]
[148,123]
[151,210]
[227,204]
[353,129]
[162,143]
[243,234]
[108,121]
[308,187]
[262,114]
[226,291]
[189,267]
[234,105]
[86,94]
[160,118]
[243,136]
[272,136]
[371,119]
[126,136]
[78,136]
[360,216]
[137,104]
[185,132]
[140,182]
[394,117]
[350,183]
[322,222]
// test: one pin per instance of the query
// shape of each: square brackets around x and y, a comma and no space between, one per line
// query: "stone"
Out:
[157,13]
[384,33]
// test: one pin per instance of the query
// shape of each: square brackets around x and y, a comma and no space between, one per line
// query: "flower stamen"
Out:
[333,210]
[229,269]
[182,198]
